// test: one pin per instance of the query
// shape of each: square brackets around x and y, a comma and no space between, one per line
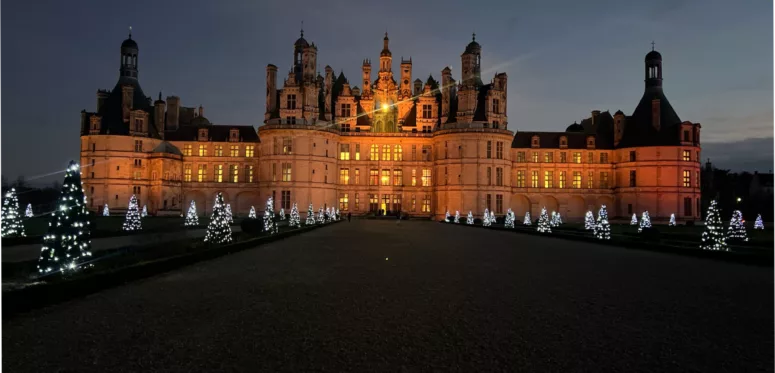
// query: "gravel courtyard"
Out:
[373,296]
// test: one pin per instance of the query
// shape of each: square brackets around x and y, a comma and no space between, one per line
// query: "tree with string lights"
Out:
[229,215]
[28,212]
[446,217]
[758,224]
[470,218]
[645,221]
[105,210]
[508,220]
[543,222]
[269,224]
[736,231]
[486,218]
[67,243]
[133,222]
[714,238]
[602,228]
[457,216]
[672,221]
[310,215]
[589,221]
[219,229]
[321,216]
[295,220]
[634,220]
[192,219]
[553,219]
[527,220]
[252,213]
[12,225]
[144,213]
[282,214]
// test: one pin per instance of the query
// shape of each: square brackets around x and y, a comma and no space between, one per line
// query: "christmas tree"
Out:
[229,216]
[553,220]
[295,219]
[486,218]
[219,230]
[758,224]
[12,225]
[337,216]
[589,221]
[105,210]
[144,213]
[321,216]
[736,229]
[470,218]
[67,244]
[192,219]
[634,220]
[645,221]
[282,214]
[28,213]
[558,222]
[132,221]
[527,220]
[328,215]
[602,228]
[269,224]
[310,216]
[457,216]
[446,217]
[252,213]
[672,221]
[543,222]
[508,221]
[714,238]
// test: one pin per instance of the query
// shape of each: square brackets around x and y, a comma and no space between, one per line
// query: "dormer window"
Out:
[94,124]
[563,142]
[590,142]
[534,142]
[234,134]
[203,134]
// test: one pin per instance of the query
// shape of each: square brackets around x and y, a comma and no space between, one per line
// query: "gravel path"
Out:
[371,296]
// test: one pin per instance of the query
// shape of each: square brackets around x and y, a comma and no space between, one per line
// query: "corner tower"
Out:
[129,52]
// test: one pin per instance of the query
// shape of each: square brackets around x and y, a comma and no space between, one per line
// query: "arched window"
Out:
[398,153]
[385,152]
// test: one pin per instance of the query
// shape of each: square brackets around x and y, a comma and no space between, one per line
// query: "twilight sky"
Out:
[563,59]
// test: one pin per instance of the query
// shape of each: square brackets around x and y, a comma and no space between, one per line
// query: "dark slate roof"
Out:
[575,127]
[481,103]
[129,43]
[603,129]
[653,55]
[112,113]
[363,119]
[165,147]
[551,140]
[473,47]
[411,118]
[452,118]
[638,129]
[215,133]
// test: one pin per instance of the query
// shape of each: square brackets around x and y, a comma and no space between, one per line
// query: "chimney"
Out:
[159,108]
[655,113]
[102,95]
[127,98]
[595,113]
[173,113]
[417,87]
[201,111]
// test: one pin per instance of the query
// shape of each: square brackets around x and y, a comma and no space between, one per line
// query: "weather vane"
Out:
[130,32]
[652,45]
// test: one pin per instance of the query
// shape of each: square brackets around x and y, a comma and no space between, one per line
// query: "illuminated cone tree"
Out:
[602,228]
[12,225]
[229,215]
[252,213]
[553,219]
[67,244]
[736,230]
[145,212]
[470,218]
[269,225]
[28,212]
[219,229]
[508,221]
[527,220]
[295,220]
[446,217]
[634,220]
[486,218]
[589,221]
[105,210]
[321,216]
[714,237]
[310,215]
[645,221]
[192,219]
[672,221]
[457,217]
[758,224]
[543,222]
[132,221]
[282,214]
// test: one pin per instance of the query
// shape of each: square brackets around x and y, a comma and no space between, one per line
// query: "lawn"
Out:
[110,225]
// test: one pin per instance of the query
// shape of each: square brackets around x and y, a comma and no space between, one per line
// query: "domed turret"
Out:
[575,127]
[473,47]
[129,51]
[653,56]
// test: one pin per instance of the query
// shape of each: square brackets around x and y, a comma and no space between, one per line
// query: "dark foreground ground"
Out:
[371,296]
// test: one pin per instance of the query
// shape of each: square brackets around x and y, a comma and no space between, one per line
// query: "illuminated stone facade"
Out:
[421,148]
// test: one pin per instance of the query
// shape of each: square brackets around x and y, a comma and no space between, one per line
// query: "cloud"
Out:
[753,154]
[726,128]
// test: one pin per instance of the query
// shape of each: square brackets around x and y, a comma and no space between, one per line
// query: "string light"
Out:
[589,221]
[12,225]
[509,219]
[219,229]
[470,218]
[310,215]
[543,222]
[672,221]
[252,213]
[192,219]
[645,221]
[736,229]
[634,220]
[602,228]
[144,213]
[229,216]
[133,221]
[105,210]
[269,224]
[527,220]
[295,220]
[714,238]
[457,216]
[758,224]
[28,212]
[282,214]
[446,217]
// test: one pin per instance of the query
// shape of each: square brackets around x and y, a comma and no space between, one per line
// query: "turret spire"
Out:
[302,29]
[130,32]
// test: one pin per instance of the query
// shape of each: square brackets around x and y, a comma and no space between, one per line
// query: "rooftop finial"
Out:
[386,34]
[302,29]
[652,45]
[473,36]
[130,32]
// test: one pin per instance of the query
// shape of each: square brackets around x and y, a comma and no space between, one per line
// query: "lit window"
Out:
[234,173]
[562,179]
[548,179]
[234,151]
[603,157]
[591,180]
[373,177]
[426,177]
[576,157]
[344,152]
[203,150]
[344,202]
[520,179]
[374,152]
[385,177]
[414,177]
[187,172]
[534,179]
[687,178]
[687,155]
[398,154]
[357,202]
[357,176]
[249,173]
[344,176]
[201,175]
[549,157]
[535,157]
[357,153]
[219,173]
[426,203]
[286,172]
[520,157]
[287,145]
[219,150]
[249,151]
[385,152]
[187,149]
[398,178]
[576,179]
[603,180]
